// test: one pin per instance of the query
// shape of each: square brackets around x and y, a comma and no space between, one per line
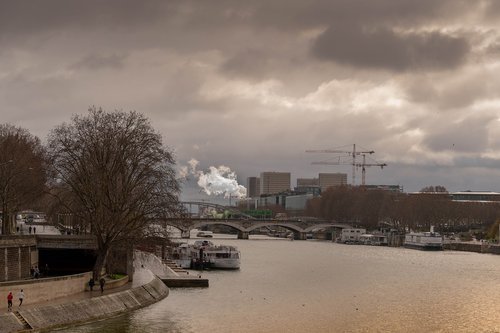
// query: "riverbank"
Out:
[51,316]
[39,314]
[84,307]
[324,287]
[473,247]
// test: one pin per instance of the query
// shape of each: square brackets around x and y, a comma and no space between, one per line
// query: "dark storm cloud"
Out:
[96,61]
[303,14]
[25,16]
[250,63]
[460,93]
[469,135]
[491,9]
[475,162]
[493,49]
[35,16]
[386,49]
[217,77]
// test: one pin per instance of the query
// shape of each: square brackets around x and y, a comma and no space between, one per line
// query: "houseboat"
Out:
[352,235]
[205,254]
[424,240]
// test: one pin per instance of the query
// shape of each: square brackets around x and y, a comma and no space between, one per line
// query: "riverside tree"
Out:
[119,176]
[22,173]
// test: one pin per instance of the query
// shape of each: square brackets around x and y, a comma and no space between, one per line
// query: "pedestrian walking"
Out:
[34,230]
[29,229]
[37,272]
[9,301]
[21,297]
[91,284]
[101,283]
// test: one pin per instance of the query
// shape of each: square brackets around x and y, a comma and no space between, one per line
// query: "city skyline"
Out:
[253,85]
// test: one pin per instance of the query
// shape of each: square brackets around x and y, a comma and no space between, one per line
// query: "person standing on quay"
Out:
[9,301]
[91,284]
[21,297]
[101,283]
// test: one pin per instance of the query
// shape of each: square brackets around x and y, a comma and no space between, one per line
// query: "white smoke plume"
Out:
[217,181]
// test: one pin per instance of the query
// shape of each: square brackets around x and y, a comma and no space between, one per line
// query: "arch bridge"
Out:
[200,214]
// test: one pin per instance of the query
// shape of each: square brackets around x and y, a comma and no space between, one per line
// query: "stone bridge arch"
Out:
[300,226]
[235,225]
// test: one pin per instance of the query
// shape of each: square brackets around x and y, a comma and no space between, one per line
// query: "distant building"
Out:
[475,196]
[306,182]
[390,188]
[274,182]
[297,202]
[327,180]
[288,201]
[308,185]
[253,187]
[314,190]
[271,200]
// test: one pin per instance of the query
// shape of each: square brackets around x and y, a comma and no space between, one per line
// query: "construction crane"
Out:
[363,170]
[352,162]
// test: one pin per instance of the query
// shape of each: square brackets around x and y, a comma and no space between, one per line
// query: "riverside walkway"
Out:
[141,277]
[86,306]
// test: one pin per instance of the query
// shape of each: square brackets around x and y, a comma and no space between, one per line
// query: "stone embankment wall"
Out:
[153,263]
[473,247]
[17,255]
[50,316]
[41,290]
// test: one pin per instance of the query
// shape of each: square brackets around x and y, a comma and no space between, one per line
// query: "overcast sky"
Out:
[252,84]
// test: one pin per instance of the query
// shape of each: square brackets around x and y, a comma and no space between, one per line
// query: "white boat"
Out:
[205,234]
[373,239]
[424,240]
[205,254]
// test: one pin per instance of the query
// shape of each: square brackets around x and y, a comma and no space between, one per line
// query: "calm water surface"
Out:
[314,286]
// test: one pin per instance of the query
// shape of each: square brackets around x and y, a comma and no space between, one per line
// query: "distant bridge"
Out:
[206,214]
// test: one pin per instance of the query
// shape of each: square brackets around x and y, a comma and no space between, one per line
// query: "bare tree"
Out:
[437,188]
[22,173]
[118,174]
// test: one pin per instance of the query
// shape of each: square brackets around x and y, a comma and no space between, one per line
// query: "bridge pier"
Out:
[243,234]
[300,235]
[186,234]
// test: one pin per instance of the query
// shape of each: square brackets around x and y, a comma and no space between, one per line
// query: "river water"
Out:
[318,286]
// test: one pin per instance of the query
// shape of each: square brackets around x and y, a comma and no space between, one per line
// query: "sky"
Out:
[252,85]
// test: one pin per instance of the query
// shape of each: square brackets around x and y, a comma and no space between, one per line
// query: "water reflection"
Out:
[311,286]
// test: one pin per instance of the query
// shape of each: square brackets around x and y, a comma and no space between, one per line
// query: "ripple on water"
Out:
[311,286]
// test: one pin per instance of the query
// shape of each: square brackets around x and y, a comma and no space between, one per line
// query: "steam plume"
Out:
[217,181]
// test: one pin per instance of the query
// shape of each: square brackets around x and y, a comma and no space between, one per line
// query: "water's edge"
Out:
[52,316]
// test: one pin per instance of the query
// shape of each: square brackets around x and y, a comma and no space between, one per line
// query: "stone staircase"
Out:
[26,327]
[173,266]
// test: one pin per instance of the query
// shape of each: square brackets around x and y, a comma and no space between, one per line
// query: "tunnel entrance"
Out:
[65,261]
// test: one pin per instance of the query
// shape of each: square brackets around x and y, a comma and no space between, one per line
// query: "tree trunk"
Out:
[100,262]
[8,222]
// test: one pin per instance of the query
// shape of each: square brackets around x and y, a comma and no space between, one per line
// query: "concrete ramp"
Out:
[50,316]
